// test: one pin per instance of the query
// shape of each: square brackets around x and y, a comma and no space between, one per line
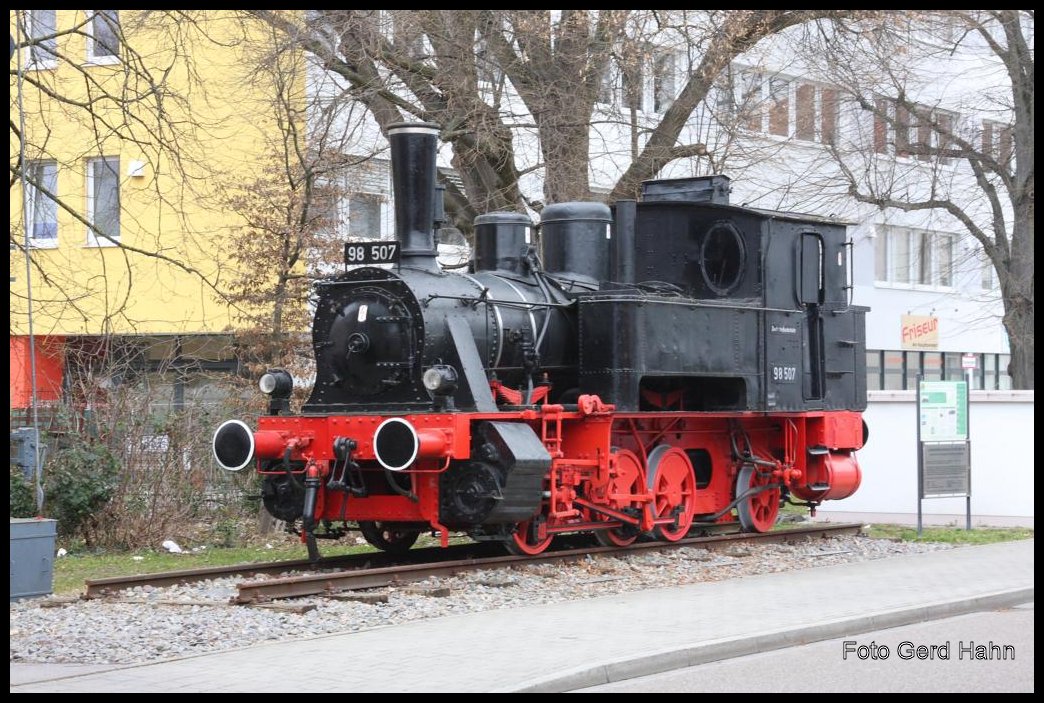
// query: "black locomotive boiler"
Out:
[661,364]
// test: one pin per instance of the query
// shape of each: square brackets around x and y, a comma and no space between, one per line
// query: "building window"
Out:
[364,216]
[489,72]
[920,132]
[786,108]
[41,209]
[627,79]
[894,367]
[952,367]
[932,366]
[935,260]
[323,211]
[901,369]
[41,27]
[103,201]
[779,107]
[881,253]
[828,115]
[997,141]
[988,278]
[912,364]
[663,81]
[103,43]
[1002,379]
[748,100]
[633,70]
[408,37]
[909,256]
[607,86]
[874,380]
[805,119]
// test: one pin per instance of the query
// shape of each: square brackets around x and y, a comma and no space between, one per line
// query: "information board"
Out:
[944,411]
[947,470]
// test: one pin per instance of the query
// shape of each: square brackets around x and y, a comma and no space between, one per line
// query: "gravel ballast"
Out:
[148,624]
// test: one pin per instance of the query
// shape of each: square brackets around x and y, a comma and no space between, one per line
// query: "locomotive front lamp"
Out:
[441,379]
[276,383]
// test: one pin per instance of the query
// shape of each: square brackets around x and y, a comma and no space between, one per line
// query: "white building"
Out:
[779,123]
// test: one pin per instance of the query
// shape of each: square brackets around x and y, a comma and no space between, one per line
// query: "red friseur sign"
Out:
[919,332]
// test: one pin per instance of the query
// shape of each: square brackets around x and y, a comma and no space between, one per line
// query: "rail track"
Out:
[376,569]
[105,587]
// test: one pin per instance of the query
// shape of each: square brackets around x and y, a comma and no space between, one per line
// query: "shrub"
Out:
[23,504]
[79,479]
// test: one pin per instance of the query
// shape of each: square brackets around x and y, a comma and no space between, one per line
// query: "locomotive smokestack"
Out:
[413,148]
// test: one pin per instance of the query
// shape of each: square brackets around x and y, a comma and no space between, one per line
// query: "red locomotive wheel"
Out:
[673,485]
[616,537]
[626,481]
[521,543]
[757,513]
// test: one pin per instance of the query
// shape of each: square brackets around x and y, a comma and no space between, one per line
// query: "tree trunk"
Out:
[565,146]
[266,523]
[1019,324]
[1017,289]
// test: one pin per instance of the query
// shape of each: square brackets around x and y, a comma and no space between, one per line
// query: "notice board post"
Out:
[943,444]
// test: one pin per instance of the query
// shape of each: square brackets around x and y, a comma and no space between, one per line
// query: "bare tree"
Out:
[288,210]
[967,143]
[110,87]
[499,80]
[132,94]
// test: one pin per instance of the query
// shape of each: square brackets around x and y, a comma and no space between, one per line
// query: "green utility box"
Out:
[32,557]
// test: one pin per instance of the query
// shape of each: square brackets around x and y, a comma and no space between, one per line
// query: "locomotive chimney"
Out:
[413,148]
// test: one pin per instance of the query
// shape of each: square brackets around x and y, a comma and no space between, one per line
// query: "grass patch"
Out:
[72,570]
[952,535]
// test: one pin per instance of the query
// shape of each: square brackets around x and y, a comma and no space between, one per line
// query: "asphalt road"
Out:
[864,665]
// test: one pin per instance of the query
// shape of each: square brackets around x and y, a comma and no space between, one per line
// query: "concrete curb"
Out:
[717,650]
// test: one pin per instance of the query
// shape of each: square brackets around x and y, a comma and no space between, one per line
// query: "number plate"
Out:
[784,374]
[356,253]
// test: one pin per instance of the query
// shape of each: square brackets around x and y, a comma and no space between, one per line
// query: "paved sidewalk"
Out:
[564,646]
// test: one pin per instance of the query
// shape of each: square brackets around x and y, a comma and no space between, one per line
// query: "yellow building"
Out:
[134,128]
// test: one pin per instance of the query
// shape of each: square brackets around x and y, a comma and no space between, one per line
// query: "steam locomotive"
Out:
[656,365]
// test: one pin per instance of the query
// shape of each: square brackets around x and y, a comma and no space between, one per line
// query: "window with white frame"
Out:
[323,210]
[997,141]
[607,86]
[41,210]
[322,30]
[917,132]
[488,70]
[632,73]
[41,26]
[664,77]
[988,277]
[645,80]
[408,37]
[784,107]
[364,215]
[906,256]
[103,37]
[103,201]
[748,108]
[779,107]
